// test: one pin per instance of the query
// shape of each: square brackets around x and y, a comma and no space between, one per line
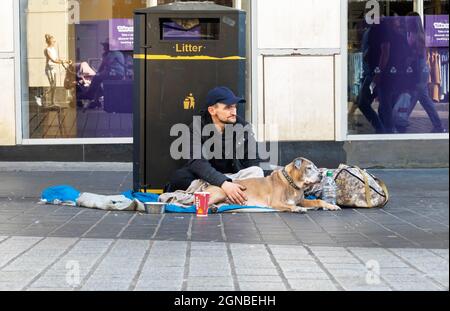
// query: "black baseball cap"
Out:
[223,95]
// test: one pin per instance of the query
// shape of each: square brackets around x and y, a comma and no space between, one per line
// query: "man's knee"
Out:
[254,171]
[251,172]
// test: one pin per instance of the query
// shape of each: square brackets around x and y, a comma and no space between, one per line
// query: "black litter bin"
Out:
[181,51]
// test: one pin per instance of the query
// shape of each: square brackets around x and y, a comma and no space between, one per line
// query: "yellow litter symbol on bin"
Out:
[189,102]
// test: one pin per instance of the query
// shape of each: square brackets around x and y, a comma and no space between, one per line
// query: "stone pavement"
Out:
[401,247]
[35,263]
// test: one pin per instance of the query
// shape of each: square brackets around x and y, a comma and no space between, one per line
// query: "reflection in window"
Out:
[77,68]
[398,68]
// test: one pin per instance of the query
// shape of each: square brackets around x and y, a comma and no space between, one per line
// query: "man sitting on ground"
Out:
[222,112]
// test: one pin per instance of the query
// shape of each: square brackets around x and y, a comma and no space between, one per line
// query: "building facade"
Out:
[308,75]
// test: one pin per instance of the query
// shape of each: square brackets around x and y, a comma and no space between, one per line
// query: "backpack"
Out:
[358,188]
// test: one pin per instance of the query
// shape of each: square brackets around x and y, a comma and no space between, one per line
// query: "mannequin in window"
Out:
[52,61]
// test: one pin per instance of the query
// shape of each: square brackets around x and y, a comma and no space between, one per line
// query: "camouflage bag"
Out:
[358,188]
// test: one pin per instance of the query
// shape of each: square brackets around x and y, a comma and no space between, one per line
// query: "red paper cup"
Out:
[202,203]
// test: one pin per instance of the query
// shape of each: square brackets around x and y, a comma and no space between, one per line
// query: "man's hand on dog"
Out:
[235,193]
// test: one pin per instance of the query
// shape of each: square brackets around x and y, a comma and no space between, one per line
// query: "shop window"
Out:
[398,67]
[77,61]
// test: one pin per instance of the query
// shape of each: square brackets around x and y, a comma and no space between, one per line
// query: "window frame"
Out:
[341,80]
[343,118]
[20,140]
[255,85]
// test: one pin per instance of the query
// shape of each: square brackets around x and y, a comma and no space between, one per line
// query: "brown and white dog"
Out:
[283,190]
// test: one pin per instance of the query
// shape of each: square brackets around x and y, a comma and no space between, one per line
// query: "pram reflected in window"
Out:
[113,92]
[78,78]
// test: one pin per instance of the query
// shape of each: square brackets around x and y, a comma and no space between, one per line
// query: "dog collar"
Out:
[289,179]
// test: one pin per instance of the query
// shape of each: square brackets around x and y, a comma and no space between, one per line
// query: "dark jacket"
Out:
[213,169]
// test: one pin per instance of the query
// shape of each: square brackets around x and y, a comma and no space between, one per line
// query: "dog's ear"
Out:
[298,163]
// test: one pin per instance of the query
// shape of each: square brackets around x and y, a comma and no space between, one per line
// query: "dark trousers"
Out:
[387,97]
[94,91]
[365,101]
[422,95]
[180,180]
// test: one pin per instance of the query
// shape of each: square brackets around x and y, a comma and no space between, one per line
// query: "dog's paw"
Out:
[300,210]
[332,207]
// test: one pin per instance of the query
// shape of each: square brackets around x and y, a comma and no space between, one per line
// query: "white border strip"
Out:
[78,141]
[18,72]
[341,112]
[66,167]
[254,65]
[390,137]
[299,52]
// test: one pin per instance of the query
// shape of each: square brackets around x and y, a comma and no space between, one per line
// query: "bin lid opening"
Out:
[189,29]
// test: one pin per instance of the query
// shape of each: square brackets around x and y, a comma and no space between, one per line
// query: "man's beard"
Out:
[228,122]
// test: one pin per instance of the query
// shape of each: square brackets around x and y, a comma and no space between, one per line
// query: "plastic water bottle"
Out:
[329,189]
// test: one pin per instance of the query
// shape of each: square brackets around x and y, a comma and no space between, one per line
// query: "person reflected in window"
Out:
[421,70]
[391,72]
[113,67]
[371,48]
[52,61]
